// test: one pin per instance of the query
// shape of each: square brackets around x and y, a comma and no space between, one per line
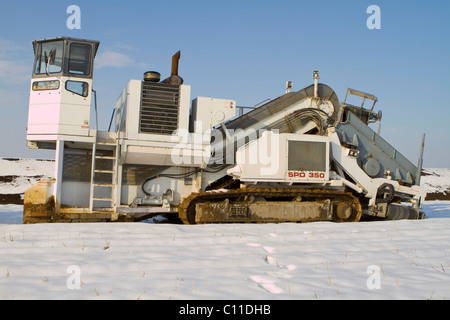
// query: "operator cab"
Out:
[61,88]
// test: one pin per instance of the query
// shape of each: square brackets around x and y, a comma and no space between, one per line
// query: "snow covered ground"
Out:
[370,260]
[367,260]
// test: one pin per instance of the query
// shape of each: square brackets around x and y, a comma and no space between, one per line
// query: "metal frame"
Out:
[66,56]
[362,95]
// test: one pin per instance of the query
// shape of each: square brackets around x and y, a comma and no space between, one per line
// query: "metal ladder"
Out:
[99,189]
[110,170]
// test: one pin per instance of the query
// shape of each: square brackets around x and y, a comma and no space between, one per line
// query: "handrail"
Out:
[112,118]
[117,191]
[362,95]
[94,150]
[95,107]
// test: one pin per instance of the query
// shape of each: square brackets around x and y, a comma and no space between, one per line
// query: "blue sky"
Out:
[246,50]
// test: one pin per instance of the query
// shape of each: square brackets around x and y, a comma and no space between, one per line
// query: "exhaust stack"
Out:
[174,78]
[175,62]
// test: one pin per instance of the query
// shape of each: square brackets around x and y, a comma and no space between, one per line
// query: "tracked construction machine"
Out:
[302,157]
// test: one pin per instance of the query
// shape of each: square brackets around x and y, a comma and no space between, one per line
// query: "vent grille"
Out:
[78,162]
[159,108]
[307,156]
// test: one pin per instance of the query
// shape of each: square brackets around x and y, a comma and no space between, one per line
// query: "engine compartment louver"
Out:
[159,108]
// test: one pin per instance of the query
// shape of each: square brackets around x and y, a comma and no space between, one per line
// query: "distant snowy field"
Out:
[17,175]
[369,260]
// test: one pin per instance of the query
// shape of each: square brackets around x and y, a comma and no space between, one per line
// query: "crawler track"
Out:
[221,206]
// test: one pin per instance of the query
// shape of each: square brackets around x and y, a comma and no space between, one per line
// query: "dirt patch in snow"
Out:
[9,179]
[438,196]
[11,199]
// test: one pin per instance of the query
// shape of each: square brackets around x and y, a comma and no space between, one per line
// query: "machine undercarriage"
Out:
[258,205]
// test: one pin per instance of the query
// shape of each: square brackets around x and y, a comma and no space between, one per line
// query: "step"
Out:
[102,199]
[104,185]
[106,142]
[105,157]
[104,171]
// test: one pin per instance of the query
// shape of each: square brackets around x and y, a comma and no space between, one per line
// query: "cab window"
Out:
[49,59]
[45,85]
[78,87]
[80,59]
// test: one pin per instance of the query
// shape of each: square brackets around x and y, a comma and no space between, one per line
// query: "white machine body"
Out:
[165,147]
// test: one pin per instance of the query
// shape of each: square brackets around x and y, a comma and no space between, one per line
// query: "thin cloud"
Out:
[13,69]
[14,72]
[10,48]
[113,59]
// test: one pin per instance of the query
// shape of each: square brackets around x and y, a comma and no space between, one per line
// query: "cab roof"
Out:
[94,42]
